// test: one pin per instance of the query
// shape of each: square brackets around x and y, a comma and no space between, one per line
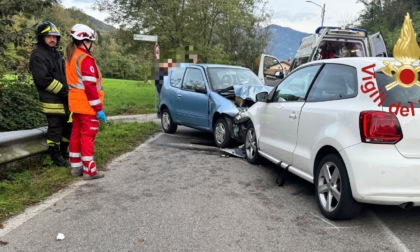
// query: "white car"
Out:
[350,126]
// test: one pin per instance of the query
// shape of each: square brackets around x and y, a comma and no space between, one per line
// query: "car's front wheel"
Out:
[167,123]
[222,136]
[251,151]
[333,191]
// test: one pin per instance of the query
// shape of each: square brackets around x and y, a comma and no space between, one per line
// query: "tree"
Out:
[387,16]
[215,28]
[12,35]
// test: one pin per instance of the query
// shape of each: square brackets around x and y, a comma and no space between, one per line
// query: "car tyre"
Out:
[333,191]
[221,134]
[251,148]
[167,123]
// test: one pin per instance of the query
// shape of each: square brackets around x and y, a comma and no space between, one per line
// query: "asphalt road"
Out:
[180,193]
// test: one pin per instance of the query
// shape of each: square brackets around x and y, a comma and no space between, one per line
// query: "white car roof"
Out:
[358,62]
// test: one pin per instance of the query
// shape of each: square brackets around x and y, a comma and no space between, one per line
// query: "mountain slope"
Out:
[285,42]
[79,16]
[99,25]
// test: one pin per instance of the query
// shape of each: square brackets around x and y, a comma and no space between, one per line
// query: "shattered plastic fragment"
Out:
[237,151]
[60,237]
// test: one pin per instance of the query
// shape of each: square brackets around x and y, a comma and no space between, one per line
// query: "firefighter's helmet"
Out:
[47,28]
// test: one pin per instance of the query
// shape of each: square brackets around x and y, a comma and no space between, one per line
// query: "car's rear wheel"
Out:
[333,191]
[222,136]
[251,150]
[167,123]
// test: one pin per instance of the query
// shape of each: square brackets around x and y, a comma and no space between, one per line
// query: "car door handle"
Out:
[293,116]
[179,95]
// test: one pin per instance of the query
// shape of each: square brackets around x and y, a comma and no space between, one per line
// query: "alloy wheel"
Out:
[329,186]
[250,144]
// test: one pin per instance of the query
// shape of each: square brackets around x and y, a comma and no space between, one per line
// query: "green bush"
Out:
[19,105]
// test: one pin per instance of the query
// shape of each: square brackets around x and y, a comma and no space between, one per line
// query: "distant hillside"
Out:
[80,16]
[99,25]
[285,42]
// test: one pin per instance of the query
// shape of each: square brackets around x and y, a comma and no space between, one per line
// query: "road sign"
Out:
[143,37]
[157,51]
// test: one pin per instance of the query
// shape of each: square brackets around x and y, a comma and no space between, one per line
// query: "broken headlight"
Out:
[242,116]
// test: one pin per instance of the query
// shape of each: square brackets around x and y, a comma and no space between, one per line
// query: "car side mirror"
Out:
[279,75]
[200,89]
[262,97]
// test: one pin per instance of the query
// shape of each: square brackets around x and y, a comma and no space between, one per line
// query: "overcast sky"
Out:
[306,17]
[297,14]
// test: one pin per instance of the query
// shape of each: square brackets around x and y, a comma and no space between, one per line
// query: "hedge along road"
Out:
[177,193]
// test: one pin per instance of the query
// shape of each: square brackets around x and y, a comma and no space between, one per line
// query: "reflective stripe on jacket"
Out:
[51,108]
[78,101]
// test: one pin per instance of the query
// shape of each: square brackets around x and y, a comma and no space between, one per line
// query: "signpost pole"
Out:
[151,38]
[157,55]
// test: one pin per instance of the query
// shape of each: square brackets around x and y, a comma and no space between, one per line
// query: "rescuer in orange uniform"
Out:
[85,101]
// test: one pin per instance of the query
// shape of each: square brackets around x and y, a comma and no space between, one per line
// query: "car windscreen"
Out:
[405,95]
[221,78]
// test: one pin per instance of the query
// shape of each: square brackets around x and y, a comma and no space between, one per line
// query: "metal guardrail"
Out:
[15,145]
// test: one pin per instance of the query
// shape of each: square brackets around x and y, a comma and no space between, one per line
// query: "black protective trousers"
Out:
[58,128]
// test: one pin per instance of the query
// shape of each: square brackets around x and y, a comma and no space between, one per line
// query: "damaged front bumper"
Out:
[240,125]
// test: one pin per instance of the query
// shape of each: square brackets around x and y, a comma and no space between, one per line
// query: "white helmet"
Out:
[82,32]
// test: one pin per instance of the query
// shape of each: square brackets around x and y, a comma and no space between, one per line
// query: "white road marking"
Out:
[32,211]
[389,234]
[392,237]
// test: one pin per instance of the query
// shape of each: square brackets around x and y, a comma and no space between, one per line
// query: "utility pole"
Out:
[322,11]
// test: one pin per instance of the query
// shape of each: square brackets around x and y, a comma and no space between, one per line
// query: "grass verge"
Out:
[27,182]
[129,97]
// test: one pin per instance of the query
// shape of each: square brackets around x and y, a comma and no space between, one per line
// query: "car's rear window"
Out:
[334,82]
[176,77]
[339,49]
[397,93]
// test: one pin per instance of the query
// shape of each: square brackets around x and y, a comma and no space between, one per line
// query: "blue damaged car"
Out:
[209,97]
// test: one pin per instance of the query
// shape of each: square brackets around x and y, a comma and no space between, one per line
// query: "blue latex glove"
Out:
[101,116]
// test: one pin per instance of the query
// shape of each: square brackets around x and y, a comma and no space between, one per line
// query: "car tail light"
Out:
[379,127]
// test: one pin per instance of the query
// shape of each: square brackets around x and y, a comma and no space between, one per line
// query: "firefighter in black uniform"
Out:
[48,71]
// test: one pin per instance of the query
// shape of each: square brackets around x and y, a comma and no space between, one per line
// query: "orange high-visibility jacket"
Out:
[78,101]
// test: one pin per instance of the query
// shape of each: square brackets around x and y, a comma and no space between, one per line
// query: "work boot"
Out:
[57,156]
[98,175]
[77,171]
[64,147]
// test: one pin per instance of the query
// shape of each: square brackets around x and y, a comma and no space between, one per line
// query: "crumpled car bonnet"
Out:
[250,91]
